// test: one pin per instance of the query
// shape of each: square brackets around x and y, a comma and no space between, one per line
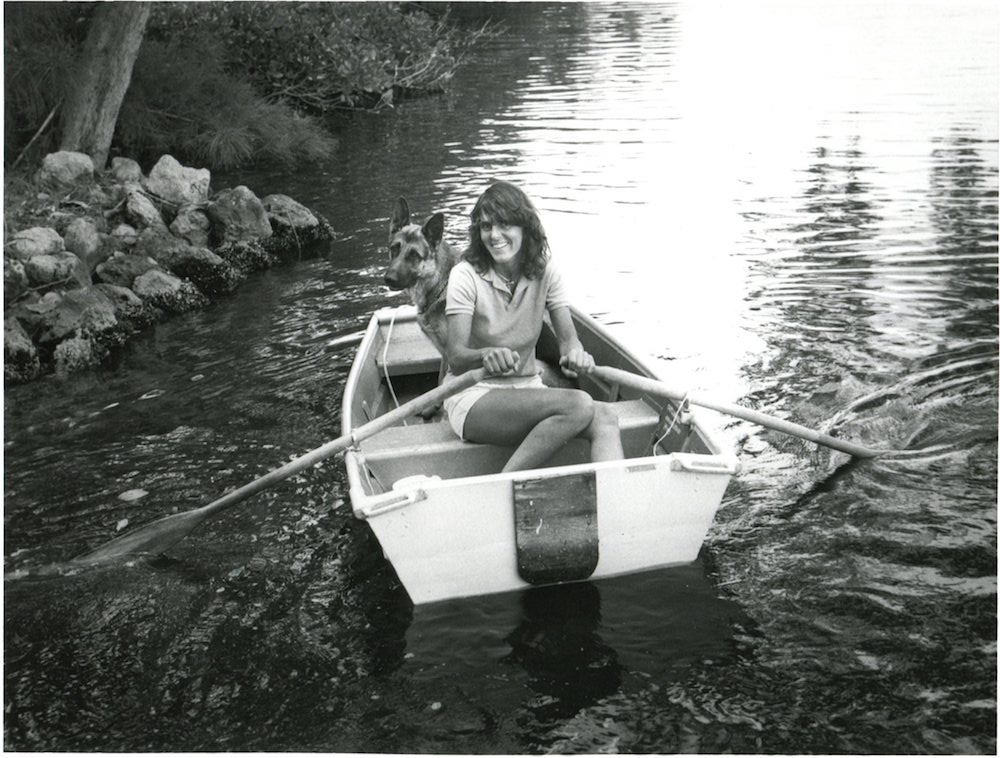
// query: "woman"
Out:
[497,297]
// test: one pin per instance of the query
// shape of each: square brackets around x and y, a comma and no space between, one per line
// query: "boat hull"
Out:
[449,524]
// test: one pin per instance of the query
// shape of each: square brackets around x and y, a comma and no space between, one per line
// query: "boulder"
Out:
[61,268]
[246,256]
[126,171]
[123,268]
[77,353]
[163,290]
[192,225]
[65,170]
[126,234]
[179,184]
[20,356]
[83,240]
[237,215]
[15,280]
[142,211]
[86,312]
[206,270]
[130,309]
[285,213]
[38,240]
[33,308]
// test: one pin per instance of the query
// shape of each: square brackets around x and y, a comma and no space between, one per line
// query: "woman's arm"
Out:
[462,358]
[572,357]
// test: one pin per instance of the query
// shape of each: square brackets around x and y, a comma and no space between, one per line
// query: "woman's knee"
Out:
[577,405]
[604,420]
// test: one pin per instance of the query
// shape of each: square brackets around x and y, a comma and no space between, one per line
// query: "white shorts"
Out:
[459,405]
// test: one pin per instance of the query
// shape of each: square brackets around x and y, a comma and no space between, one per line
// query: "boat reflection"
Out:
[558,649]
[558,643]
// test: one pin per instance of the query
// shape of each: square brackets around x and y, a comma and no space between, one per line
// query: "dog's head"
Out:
[412,248]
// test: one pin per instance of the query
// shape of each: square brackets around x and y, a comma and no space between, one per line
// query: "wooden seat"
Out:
[410,352]
[437,437]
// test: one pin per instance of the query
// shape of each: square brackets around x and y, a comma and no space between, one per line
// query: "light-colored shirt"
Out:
[499,320]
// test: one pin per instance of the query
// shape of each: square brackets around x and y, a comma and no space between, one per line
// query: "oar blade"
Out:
[151,539]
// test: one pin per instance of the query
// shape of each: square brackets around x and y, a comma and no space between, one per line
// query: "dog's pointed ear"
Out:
[434,229]
[400,215]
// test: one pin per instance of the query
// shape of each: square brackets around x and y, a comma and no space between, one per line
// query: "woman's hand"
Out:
[500,360]
[577,361]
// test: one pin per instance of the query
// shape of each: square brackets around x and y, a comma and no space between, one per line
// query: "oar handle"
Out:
[656,387]
[306,460]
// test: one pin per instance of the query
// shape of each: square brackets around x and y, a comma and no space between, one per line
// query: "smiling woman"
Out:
[494,321]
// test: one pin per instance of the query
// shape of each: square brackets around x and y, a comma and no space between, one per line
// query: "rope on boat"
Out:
[385,362]
[680,409]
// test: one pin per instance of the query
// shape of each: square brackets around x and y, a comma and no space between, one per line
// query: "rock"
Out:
[246,257]
[126,170]
[206,270]
[83,240]
[77,353]
[163,290]
[122,269]
[238,215]
[61,268]
[38,240]
[15,280]
[284,212]
[86,312]
[130,309]
[192,225]
[142,211]
[98,197]
[179,184]
[127,234]
[65,170]
[20,357]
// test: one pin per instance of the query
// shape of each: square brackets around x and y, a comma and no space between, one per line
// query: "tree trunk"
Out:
[109,52]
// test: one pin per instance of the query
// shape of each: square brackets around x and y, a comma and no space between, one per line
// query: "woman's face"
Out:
[503,242]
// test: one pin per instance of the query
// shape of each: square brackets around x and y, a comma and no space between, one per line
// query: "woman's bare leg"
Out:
[539,422]
[604,435]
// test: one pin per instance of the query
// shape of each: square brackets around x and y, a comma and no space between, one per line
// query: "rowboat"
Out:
[453,526]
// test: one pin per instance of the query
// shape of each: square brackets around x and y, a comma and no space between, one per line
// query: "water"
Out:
[791,207]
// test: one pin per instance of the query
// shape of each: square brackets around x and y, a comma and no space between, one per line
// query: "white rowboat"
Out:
[452,526]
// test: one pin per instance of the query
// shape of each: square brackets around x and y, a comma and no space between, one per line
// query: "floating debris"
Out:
[121,525]
[129,495]
[152,394]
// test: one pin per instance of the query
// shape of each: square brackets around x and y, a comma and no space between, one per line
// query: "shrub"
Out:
[326,55]
[41,42]
[182,101]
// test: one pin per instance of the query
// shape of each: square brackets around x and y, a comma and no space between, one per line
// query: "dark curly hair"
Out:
[503,203]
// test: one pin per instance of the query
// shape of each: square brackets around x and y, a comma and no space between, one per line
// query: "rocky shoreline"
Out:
[94,258]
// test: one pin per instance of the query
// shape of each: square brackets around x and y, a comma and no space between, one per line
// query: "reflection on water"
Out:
[791,207]
[559,645]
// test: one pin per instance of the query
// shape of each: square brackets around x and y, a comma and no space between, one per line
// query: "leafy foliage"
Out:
[182,101]
[326,55]
[227,84]
[41,42]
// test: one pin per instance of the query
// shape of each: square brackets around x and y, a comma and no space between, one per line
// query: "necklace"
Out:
[508,280]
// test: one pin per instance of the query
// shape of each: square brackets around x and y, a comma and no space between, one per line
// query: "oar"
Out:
[655,387]
[159,535]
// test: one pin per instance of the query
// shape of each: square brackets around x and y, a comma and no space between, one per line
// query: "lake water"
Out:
[789,206]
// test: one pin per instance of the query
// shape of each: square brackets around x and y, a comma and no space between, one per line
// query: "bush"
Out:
[326,55]
[225,84]
[41,42]
[182,101]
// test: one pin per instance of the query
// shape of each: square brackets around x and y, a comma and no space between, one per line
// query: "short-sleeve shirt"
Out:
[499,320]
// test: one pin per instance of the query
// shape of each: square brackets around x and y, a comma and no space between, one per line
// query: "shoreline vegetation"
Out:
[94,255]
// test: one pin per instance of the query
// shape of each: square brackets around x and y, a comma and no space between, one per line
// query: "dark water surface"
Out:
[791,207]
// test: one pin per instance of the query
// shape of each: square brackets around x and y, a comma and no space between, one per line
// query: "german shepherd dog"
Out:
[420,261]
